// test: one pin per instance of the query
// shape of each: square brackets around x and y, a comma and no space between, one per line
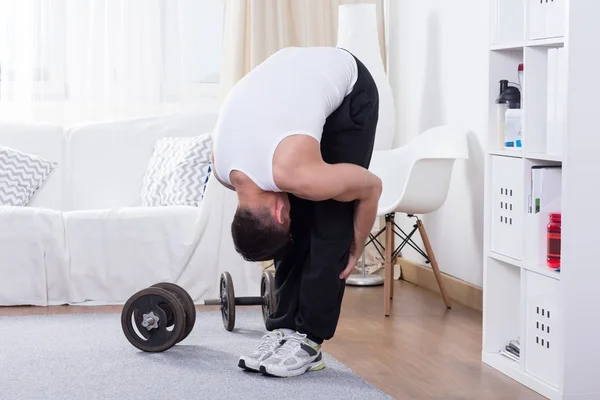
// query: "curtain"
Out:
[105,58]
[255,29]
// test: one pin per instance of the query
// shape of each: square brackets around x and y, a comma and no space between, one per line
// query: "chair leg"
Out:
[392,259]
[434,264]
[389,271]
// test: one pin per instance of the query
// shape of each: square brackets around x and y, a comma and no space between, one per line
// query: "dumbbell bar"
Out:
[227,300]
[239,301]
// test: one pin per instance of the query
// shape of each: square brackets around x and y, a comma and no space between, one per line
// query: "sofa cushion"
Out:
[46,141]
[107,161]
[21,176]
[177,172]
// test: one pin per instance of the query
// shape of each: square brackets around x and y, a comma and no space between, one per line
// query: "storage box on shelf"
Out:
[515,21]
[507,207]
[544,18]
[542,319]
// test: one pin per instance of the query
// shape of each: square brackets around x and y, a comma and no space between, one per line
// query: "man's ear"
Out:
[279,209]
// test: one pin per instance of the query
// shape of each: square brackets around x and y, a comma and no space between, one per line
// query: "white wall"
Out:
[438,64]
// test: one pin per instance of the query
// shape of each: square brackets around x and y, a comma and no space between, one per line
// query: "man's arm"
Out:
[344,182]
[341,182]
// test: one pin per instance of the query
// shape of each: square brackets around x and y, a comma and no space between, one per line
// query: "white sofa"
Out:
[85,238]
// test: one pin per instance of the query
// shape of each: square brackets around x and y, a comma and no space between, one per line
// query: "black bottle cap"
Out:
[509,94]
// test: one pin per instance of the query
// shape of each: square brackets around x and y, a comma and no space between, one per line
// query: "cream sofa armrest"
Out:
[32,251]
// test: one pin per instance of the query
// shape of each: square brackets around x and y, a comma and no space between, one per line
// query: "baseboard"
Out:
[460,291]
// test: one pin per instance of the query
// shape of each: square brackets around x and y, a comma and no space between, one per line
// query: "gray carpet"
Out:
[86,357]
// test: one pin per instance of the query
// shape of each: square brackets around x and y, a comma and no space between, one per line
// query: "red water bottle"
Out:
[553,247]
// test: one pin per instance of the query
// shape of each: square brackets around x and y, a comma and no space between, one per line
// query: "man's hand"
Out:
[350,267]
[364,218]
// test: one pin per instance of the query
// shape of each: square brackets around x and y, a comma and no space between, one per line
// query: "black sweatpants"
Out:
[309,290]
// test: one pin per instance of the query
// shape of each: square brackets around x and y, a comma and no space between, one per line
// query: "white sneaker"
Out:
[296,356]
[271,341]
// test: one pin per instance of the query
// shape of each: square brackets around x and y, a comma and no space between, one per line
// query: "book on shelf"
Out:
[509,355]
[556,97]
[545,187]
[512,350]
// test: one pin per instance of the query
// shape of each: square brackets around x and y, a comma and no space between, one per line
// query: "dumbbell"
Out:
[227,300]
[157,318]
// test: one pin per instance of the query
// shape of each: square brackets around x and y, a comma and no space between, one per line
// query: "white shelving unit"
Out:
[554,315]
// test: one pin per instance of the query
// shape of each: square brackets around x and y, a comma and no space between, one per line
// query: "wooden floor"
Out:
[422,351]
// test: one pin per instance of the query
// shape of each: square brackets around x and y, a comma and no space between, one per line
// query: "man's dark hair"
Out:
[257,236]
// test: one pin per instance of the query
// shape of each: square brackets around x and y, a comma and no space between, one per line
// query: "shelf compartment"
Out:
[543,101]
[535,223]
[502,298]
[504,65]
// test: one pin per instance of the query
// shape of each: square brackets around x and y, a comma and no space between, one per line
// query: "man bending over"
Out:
[294,139]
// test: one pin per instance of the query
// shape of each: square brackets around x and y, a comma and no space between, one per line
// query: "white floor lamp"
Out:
[358,33]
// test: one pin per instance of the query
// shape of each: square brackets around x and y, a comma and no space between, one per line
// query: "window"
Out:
[71,50]
[192,37]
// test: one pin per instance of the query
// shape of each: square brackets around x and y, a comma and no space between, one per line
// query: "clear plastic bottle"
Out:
[512,129]
[501,109]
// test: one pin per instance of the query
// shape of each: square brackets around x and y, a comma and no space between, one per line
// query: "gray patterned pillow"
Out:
[21,175]
[177,172]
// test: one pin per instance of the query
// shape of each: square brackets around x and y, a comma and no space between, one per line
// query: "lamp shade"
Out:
[358,33]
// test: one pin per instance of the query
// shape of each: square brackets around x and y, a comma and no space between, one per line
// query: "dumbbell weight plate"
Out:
[267,292]
[144,319]
[188,306]
[227,296]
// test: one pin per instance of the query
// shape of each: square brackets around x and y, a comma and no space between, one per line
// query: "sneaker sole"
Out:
[316,366]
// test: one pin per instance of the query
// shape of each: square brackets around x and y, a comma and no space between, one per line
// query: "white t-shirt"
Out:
[291,92]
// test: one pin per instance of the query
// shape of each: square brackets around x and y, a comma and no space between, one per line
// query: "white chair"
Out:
[416,178]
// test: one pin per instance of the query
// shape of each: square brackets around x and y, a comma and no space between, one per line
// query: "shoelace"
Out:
[270,339]
[292,343]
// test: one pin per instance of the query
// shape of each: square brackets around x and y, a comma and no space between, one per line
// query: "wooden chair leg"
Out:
[433,261]
[388,281]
